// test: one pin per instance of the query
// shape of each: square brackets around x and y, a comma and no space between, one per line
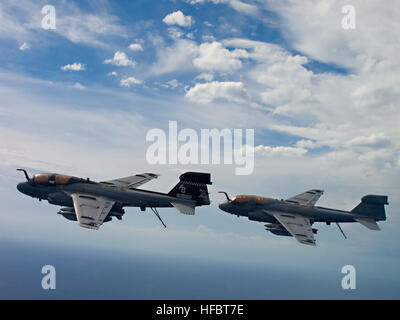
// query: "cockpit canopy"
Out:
[244,199]
[55,179]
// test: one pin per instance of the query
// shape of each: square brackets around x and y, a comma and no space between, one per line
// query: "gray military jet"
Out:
[295,216]
[92,203]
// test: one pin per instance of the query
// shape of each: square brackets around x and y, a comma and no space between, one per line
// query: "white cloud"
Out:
[238,5]
[175,33]
[278,79]
[79,86]
[127,82]
[179,19]
[208,38]
[374,141]
[21,20]
[280,151]
[135,47]
[177,57]
[89,29]
[213,56]
[186,55]
[207,92]
[120,59]
[76,66]
[173,83]
[190,35]
[354,115]
[306,144]
[315,29]
[25,46]
[207,76]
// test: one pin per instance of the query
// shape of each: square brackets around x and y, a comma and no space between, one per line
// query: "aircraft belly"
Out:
[261,216]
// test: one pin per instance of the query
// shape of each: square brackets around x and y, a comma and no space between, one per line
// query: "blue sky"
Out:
[323,102]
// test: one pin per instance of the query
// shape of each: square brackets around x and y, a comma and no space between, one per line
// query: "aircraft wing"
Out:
[91,210]
[132,181]
[308,198]
[298,226]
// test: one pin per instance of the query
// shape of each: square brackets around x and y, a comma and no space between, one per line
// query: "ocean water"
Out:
[83,273]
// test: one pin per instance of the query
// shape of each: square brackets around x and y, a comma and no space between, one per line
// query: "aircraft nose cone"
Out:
[224,206]
[21,187]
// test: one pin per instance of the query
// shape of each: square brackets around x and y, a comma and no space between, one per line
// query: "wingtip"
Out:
[154,175]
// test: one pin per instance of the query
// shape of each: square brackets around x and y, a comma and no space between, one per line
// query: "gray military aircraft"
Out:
[295,216]
[92,203]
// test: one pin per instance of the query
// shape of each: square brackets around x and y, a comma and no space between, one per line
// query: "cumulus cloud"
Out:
[186,54]
[190,35]
[178,18]
[175,33]
[323,109]
[213,56]
[177,57]
[207,76]
[306,144]
[207,92]
[135,47]
[127,82]
[208,38]
[25,46]
[76,66]
[120,59]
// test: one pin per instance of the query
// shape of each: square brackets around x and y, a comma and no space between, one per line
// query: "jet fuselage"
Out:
[260,209]
[60,194]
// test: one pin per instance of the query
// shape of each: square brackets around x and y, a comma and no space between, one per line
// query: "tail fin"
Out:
[193,186]
[372,206]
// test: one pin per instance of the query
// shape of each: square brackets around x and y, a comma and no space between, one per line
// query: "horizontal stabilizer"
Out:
[369,223]
[185,208]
